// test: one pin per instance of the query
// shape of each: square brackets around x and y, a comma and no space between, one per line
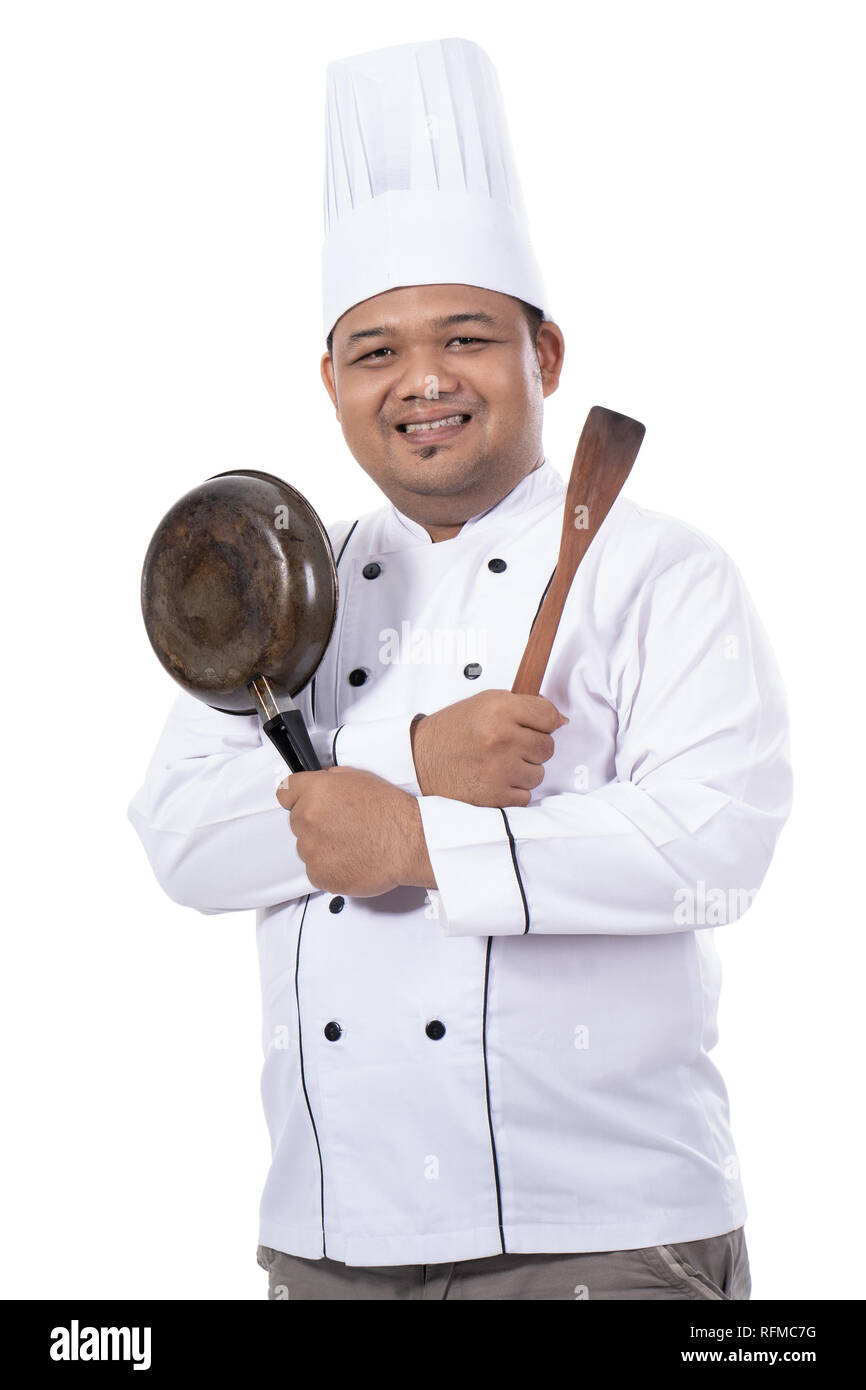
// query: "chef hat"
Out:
[420,182]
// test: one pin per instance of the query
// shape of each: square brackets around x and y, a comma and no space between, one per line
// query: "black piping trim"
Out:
[348,538]
[513,849]
[336,564]
[303,1078]
[487,1094]
[334,747]
[543,597]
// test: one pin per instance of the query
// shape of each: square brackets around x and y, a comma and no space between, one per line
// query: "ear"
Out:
[327,370]
[550,349]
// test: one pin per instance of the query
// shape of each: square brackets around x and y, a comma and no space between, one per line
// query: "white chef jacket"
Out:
[520,1060]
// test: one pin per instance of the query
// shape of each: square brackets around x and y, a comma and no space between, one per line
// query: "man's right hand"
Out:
[489,749]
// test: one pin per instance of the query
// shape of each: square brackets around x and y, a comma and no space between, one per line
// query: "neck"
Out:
[447,533]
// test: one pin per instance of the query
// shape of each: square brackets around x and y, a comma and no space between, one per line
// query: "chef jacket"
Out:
[518,1061]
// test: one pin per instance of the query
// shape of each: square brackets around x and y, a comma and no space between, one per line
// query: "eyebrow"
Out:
[437,325]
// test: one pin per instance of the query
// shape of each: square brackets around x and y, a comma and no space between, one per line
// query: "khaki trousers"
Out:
[715,1268]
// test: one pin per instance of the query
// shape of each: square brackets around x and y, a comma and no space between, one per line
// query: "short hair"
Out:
[534,319]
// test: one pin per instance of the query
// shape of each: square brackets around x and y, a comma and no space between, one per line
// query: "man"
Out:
[485,927]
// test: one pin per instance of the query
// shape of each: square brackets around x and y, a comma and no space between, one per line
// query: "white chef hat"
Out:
[420,182]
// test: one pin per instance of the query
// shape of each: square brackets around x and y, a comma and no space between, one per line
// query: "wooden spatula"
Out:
[606,450]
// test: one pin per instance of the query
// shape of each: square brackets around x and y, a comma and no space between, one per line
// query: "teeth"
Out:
[434,424]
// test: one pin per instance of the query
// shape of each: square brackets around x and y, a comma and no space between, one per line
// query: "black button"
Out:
[472,671]
[372,571]
[497,566]
[332,1031]
[358,676]
[336,904]
[435,1029]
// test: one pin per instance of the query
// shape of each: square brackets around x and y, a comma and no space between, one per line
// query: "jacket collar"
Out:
[543,484]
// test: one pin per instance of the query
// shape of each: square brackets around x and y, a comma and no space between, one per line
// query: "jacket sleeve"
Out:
[207,815]
[683,835]
[383,746]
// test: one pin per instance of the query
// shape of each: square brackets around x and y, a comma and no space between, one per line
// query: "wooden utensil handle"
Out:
[533,663]
[607,448]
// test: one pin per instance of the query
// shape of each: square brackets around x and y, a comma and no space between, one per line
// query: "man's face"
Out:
[429,353]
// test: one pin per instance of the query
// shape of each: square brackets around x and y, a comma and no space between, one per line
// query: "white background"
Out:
[693,174]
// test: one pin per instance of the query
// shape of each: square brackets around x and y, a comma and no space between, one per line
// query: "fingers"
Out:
[532,746]
[527,776]
[290,788]
[517,797]
[537,712]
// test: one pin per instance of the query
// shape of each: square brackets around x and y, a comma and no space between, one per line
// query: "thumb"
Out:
[542,714]
[287,791]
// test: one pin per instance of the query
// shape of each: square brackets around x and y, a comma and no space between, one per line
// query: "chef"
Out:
[485,928]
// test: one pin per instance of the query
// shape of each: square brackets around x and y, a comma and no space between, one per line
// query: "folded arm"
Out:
[684,835]
[207,814]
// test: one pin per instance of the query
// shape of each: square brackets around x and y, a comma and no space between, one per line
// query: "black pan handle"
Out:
[288,734]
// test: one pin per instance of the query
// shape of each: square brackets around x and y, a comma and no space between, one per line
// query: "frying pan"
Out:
[239,598]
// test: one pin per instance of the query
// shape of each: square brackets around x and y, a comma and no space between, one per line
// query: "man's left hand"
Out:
[356,833]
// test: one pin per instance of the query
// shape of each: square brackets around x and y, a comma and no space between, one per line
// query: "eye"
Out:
[468,340]
[374,355]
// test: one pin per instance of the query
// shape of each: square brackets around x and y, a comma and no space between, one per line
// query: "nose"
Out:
[427,374]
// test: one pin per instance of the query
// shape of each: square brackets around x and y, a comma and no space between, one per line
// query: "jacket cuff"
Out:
[479,890]
[382,746]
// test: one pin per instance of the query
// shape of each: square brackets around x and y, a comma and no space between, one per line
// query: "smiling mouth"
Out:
[431,427]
